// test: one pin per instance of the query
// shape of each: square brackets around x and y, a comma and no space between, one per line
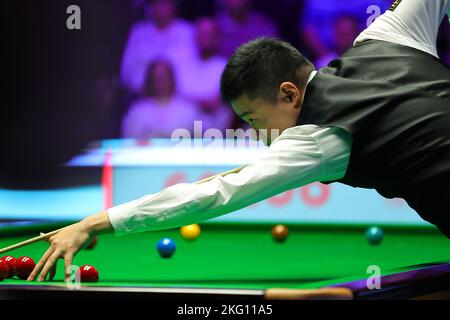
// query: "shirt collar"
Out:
[311,76]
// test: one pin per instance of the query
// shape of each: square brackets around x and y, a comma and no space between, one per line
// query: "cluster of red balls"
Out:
[23,266]
[20,267]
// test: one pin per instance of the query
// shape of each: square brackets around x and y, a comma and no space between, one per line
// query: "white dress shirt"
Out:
[413,23]
[300,155]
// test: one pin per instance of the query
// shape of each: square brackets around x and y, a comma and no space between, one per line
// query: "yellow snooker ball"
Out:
[190,232]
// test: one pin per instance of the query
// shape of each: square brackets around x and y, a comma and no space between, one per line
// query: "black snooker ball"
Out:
[374,235]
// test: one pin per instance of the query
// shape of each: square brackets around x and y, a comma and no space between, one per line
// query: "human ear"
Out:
[289,90]
[289,94]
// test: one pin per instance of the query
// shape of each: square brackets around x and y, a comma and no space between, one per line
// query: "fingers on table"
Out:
[40,264]
[52,260]
[48,263]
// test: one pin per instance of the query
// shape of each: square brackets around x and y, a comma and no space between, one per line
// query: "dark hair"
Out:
[258,67]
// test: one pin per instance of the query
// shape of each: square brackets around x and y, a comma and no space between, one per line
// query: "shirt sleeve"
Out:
[300,155]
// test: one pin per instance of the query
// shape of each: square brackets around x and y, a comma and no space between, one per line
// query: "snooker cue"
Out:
[45,236]
[327,293]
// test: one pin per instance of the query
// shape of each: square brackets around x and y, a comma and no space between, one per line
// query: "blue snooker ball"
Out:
[166,247]
[374,235]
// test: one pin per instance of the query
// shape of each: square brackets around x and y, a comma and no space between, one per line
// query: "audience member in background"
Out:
[318,21]
[163,35]
[239,23]
[346,29]
[160,110]
[200,83]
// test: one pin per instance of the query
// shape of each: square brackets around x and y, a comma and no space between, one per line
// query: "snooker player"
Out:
[377,117]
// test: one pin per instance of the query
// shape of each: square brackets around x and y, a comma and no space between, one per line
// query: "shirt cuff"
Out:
[120,217]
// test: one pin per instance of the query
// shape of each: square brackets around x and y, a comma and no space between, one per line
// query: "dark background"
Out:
[50,107]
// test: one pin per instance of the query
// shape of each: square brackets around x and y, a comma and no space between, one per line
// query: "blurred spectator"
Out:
[201,81]
[318,19]
[239,23]
[160,110]
[346,29]
[163,36]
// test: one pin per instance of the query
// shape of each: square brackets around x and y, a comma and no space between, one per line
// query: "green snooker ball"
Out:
[374,235]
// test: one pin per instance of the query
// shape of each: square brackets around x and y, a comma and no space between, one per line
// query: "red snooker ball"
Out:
[23,267]
[92,244]
[88,274]
[10,260]
[4,269]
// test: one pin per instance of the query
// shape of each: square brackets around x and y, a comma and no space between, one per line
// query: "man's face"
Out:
[270,119]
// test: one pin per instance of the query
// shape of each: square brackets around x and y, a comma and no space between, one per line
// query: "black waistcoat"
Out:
[395,103]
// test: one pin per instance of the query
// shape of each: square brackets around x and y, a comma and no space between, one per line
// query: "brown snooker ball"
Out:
[280,232]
